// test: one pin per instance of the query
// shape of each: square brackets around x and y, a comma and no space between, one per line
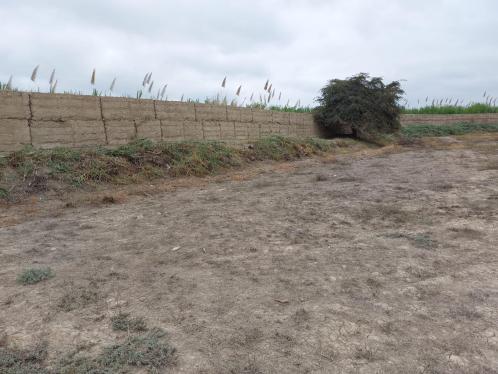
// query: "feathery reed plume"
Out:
[182,98]
[260,98]
[485,92]
[224,83]
[280,96]
[9,83]
[54,87]
[238,91]
[266,84]
[149,77]
[52,76]
[92,81]
[287,104]
[144,82]
[163,91]
[34,73]
[269,88]
[427,99]
[150,87]
[112,85]
[252,96]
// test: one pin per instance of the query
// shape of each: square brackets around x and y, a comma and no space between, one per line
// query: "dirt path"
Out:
[376,265]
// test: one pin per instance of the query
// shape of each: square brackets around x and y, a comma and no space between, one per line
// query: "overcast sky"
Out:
[442,48]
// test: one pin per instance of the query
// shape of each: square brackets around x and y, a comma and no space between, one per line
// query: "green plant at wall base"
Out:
[32,171]
[366,104]
[283,148]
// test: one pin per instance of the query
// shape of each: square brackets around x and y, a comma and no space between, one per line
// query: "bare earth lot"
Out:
[385,264]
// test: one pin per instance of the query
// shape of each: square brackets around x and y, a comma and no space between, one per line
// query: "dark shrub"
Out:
[366,104]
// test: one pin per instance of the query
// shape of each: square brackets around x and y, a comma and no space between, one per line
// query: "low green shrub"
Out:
[33,276]
[150,351]
[123,322]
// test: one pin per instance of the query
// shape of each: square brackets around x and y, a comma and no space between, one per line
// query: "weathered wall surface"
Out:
[52,120]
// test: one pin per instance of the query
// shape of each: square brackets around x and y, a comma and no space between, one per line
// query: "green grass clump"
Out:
[123,322]
[33,276]
[149,351]
[278,147]
[293,109]
[476,108]
[14,361]
[4,194]
[418,131]
[132,151]
[199,159]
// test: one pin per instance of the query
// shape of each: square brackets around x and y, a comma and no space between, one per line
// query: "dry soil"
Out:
[371,264]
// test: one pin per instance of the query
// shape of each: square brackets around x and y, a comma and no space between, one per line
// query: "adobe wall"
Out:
[52,120]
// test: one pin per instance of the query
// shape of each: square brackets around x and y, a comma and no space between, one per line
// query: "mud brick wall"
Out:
[53,120]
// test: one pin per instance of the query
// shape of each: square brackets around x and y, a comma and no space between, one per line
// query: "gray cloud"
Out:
[441,48]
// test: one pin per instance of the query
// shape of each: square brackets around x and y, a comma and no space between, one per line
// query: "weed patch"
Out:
[283,148]
[78,299]
[4,194]
[33,276]
[14,361]
[150,351]
[123,322]
[33,171]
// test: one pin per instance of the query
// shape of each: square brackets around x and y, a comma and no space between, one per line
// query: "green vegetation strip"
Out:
[31,171]
[419,131]
[453,109]
[150,351]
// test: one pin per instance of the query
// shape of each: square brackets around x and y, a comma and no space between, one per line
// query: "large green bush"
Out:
[365,103]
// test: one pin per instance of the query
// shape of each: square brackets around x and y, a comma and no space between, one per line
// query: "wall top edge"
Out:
[114,98]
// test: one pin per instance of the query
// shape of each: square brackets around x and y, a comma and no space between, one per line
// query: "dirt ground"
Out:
[382,263]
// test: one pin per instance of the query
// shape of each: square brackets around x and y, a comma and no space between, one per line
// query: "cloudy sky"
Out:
[439,48]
